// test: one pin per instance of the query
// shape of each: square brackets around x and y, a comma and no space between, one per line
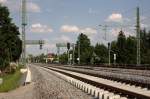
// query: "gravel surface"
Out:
[45,85]
[119,75]
[49,86]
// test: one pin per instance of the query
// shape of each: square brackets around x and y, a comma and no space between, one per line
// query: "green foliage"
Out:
[86,50]
[145,47]
[124,47]
[102,53]
[10,81]
[121,45]
[40,58]
[10,43]
[63,58]
[131,50]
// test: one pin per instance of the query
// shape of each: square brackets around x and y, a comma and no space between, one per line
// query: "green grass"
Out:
[10,81]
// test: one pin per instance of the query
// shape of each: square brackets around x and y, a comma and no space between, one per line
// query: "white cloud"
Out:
[69,28]
[15,5]
[115,17]
[144,25]
[115,32]
[33,7]
[75,29]
[88,31]
[3,1]
[49,46]
[64,38]
[39,28]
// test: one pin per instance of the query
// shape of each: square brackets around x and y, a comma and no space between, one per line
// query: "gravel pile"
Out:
[49,86]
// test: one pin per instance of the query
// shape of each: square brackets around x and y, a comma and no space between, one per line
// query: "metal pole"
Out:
[109,53]
[47,56]
[58,50]
[138,38]
[106,39]
[105,29]
[73,54]
[114,59]
[78,52]
[24,32]
[68,57]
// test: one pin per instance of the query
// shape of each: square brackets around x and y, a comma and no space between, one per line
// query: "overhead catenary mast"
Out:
[24,41]
[138,38]
[24,23]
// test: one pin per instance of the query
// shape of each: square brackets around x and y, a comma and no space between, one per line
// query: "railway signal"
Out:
[68,46]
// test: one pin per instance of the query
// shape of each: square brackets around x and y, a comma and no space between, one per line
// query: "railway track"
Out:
[129,91]
[132,79]
[145,72]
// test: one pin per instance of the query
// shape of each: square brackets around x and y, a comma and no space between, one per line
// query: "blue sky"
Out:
[62,20]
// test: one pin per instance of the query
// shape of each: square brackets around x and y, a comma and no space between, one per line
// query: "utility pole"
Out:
[73,54]
[68,54]
[109,46]
[109,49]
[24,32]
[138,38]
[24,41]
[58,54]
[79,52]
[105,30]
[47,56]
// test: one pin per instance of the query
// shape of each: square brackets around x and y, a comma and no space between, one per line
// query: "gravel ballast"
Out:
[45,85]
[49,86]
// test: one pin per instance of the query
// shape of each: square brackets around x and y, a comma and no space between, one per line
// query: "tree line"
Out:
[124,47]
[10,43]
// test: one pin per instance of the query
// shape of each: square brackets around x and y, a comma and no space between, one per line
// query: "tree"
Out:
[145,47]
[131,50]
[64,58]
[10,43]
[126,48]
[121,47]
[86,49]
[102,52]
[41,58]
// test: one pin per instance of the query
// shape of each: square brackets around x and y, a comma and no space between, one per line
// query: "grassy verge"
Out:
[10,81]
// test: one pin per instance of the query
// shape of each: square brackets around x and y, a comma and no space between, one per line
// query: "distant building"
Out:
[50,57]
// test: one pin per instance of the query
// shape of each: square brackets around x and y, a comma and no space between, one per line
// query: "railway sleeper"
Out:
[131,82]
[96,92]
